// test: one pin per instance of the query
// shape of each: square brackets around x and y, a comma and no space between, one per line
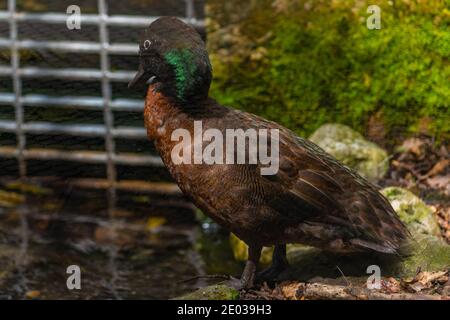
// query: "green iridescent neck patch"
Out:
[183,62]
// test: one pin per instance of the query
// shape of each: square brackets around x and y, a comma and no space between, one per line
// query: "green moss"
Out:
[429,254]
[216,292]
[304,67]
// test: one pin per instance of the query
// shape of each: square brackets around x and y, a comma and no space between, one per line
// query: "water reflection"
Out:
[145,249]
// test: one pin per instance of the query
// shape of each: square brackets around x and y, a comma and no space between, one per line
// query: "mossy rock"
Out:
[412,211]
[215,292]
[427,250]
[427,253]
[350,147]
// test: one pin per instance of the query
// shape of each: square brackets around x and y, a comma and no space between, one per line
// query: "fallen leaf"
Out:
[33,294]
[439,167]
[440,182]
[425,280]
[429,277]
[391,285]
[289,289]
[413,145]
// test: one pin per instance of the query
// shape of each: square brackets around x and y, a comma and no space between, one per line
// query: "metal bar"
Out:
[82,156]
[135,186]
[73,130]
[17,84]
[69,73]
[190,11]
[127,105]
[131,186]
[105,103]
[8,126]
[107,113]
[74,102]
[72,46]
[90,19]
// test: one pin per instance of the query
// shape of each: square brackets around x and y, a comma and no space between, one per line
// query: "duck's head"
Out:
[173,55]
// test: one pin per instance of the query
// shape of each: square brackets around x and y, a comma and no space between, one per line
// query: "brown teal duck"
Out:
[313,199]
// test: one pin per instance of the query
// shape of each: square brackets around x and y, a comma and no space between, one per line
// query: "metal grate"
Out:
[100,98]
[104,103]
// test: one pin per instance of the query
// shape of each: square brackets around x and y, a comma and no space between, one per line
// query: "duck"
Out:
[311,199]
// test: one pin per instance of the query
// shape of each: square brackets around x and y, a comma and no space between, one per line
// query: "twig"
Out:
[345,278]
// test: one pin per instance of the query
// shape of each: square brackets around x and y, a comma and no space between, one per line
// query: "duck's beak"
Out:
[139,78]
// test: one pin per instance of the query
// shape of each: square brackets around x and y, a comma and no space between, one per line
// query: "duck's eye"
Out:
[147,44]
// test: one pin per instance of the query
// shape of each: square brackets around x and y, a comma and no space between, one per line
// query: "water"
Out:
[147,250]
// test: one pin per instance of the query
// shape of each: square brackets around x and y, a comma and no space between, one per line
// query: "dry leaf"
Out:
[425,280]
[413,145]
[439,167]
[440,182]
[391,285]
[289,290]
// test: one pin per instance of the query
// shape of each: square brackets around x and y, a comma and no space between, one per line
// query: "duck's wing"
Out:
[313,187]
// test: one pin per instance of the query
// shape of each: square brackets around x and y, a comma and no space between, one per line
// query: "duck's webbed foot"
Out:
[279,264]
[248,277]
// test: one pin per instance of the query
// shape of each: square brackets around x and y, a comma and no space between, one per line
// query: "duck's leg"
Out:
[248,276]
[279,264]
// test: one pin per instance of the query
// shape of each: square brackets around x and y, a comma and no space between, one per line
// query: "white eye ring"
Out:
[147,44]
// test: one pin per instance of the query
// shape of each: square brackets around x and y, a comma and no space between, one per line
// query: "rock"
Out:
[419,218]
[215,292]
[350,147]
[427,254]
